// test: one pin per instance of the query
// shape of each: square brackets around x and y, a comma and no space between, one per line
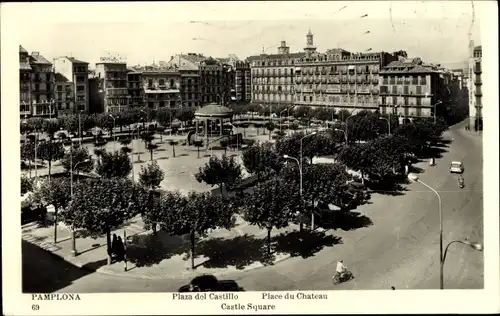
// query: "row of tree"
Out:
[74,122]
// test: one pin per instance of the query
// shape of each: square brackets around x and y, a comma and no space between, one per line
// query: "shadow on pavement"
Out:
[43,272]
[147,250]
[209,283]
[304,244]
[239,251]
[434,151]
[392,186]
[345,221]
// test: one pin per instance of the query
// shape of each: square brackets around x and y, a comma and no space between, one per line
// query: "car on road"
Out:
[209,283]
[456,167]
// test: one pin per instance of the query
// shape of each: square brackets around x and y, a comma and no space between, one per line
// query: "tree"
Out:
[271,204]
[26,185]
[125,142]
[164,117]
[356,157]
[69,123]
[148,138]
[270,126]
[198,144]
[224,172]
[50,151]
[173,143]
[56,192]
[28,153]
[290,145]
[114,165]
[195,214]
[151,176]
[343,114]
[262,160]
[113,202]
[75,157]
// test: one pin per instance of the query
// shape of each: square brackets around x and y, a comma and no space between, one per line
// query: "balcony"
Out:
[478,92]
[478,70]
[307,90]
[478,81]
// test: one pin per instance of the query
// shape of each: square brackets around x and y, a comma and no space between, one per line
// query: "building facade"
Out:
[24,83]
[135,88]
[76,71]
[64,96]
[243,82]
[272,76]
[191,84]
[161,88]
[475,87]
[113,73]
[410,88]
[42,86]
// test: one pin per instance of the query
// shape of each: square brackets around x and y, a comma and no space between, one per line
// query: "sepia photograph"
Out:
[295,151]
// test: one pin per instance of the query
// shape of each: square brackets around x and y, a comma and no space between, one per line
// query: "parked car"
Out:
[456,167]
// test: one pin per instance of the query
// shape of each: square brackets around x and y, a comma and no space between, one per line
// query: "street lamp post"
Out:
[346,130]
[73,237]
[144,122]
[80,126]
[415,178]
[388,124]
[300,164]
[114,134]
[473,245]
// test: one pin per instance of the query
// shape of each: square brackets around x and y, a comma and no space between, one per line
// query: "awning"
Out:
[298,69]
[351,67]
[161,91]
[233,98]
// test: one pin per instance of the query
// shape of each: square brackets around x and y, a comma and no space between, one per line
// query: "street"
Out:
[400,249]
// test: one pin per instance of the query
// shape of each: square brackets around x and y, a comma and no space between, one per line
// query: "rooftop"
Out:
[214,110]
[60,77]
[414,65]
[276,56]
[22,50]
[76,61]
[36,58]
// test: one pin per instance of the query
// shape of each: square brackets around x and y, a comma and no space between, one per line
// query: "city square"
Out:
[293,169]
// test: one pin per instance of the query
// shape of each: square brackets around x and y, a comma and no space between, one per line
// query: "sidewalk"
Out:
[162,256]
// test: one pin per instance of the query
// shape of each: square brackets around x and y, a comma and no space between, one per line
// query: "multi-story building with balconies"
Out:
[24,82]
[272,76]
[113,73]
[475,87]
[135,88]
[77,72]
[161,87]
[191,85]
[410,88]
[42,86]
[64,94]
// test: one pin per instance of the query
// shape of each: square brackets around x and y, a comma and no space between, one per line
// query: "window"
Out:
[150,83]
[406,100]
[405,89]
[419,90]
[172,83]
[80,88]
[419,101]
[162,82]
[394,90]
[394,101]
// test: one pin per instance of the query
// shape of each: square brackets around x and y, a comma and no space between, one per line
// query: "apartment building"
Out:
[76,71]
[475,87]
[113,73]
[42,86]
[272,76]
[410,88]
[161,87]
[191,85]
[243,82]
[135,88]
[64,96]
[24,83]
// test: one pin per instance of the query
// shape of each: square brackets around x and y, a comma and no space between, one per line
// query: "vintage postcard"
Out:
[250,157]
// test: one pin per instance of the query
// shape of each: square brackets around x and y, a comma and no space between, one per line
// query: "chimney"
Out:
[283,43]
[35,54]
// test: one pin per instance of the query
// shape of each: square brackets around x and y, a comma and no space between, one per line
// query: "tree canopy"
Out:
[151,176]
[114,165]
[75,159]
[262,159]
[224,172]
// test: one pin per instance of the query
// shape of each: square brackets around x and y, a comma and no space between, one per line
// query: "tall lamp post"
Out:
[415,178]
[280,116]
[473,245]
[300,164]
[114,134]
[73,237]
[80,126]
[388,123]
[144,122]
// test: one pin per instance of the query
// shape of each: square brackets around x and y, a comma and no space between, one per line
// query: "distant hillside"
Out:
[456,65]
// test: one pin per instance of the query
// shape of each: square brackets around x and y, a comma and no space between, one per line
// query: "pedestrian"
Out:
[393,288]
[113,247]
[406,169]
[120,249]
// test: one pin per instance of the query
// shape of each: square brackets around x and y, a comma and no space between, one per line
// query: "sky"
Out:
[142,33]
